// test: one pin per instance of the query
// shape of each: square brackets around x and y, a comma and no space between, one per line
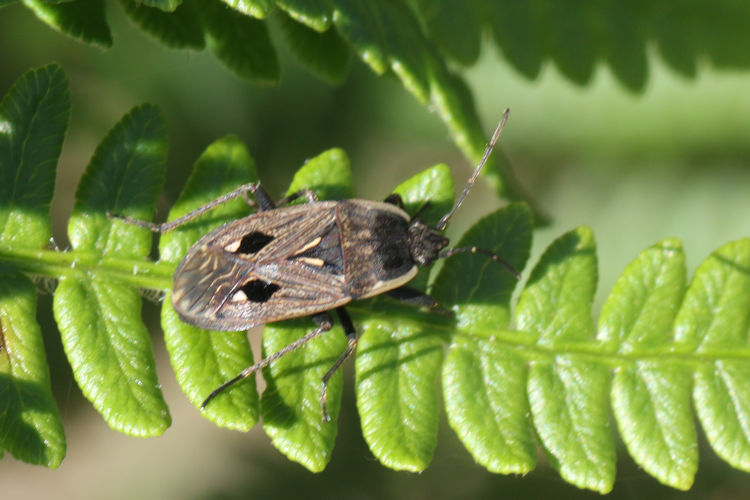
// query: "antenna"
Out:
[488,150]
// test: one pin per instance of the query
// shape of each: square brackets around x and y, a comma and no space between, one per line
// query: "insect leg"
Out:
[450,252]
[263,199]
[309,195]
[414,297]
[265,202]
[351,338]
[325,323]
[253,187]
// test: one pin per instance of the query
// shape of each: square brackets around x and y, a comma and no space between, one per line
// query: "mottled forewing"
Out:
[273,265]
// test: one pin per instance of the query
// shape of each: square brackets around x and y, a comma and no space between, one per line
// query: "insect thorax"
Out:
[375,244]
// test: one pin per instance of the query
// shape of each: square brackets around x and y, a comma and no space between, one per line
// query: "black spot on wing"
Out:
[259,291]
[253,242]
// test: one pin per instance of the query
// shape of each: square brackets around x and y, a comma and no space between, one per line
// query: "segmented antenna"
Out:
[488,150]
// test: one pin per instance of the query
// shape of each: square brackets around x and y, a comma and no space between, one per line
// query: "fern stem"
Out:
[54,264]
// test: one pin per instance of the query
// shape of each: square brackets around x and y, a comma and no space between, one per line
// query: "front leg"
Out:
[262,200]
[309,195]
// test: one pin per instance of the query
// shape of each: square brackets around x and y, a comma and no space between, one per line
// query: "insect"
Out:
[307,260]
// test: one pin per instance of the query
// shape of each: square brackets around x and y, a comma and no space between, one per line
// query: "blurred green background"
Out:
[672,161]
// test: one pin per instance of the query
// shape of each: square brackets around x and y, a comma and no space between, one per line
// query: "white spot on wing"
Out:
[312,261]
[310,245]
[233,246]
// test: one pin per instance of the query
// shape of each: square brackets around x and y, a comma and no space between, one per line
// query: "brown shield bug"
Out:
[305,260]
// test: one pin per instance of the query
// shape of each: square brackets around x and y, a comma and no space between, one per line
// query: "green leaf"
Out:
[328,175]
[673,28]
[177,28]
[454,27]
[315,14]
[568,399]
[99,317]
[722,32]
[568,393]
[482,380]
[625,44]
[397,396]
[639,313]
[33,119]
[452,100]
[570,39]
[82,19]
[477,288]
[241,42]
[651,402]
[165,5]
[323,53]
[30,426]
[575,35]
[722,401]
[429,193]
[651,398]
[481,377]
[409,37]
[124,177]
[292,414]
[714,320]
[386,36]
[556,302]
[256,8]
[517,30]
[203,360]
[110,352]
[360,28]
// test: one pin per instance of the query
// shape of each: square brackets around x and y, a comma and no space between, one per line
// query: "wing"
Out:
[273,265]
